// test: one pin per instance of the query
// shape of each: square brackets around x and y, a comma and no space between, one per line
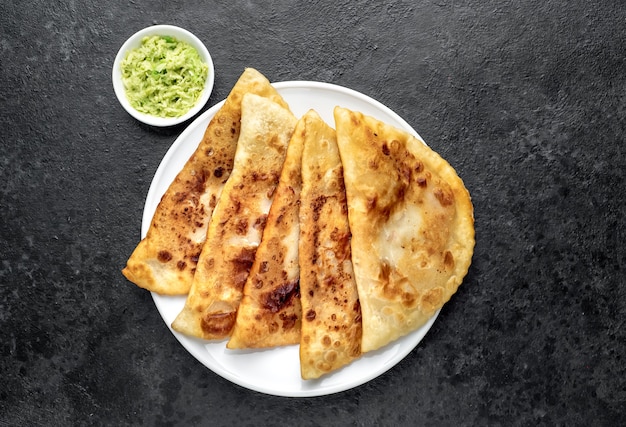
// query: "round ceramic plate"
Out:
[277,371]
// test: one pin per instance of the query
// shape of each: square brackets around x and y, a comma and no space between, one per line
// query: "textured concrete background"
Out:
[526,99]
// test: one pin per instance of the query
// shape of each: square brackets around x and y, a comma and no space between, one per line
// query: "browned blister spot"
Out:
[280,296]
[164,256]
[264,267]
[342,247]
[241,266]
[408,299]
[448,259]
[445,197]
[259,223]
[218,323]
[199,181]
[288,320]
[418,166]
[241,227]
[316,207]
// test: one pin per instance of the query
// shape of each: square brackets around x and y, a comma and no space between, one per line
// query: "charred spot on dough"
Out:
[317,205]
[419,167]
[404,173]
[179,197]
[264,267]
[444,196]
[448,259]
[199,180]
[256,176]
[241,266]
[342,248]
[164,256]
[288,321]
[259,223]
[258,283]
[195,257]
[280,297]
[241,227]
[400,192]
[270,192]
[218,323]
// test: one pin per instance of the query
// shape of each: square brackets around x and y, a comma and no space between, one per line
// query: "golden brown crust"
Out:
[165,260]
[269,314]
[412,223]
[238,220]
[331,326]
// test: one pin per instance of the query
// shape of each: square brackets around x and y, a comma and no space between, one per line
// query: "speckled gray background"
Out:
[525,99]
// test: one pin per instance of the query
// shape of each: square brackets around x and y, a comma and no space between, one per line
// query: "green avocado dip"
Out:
[164,77]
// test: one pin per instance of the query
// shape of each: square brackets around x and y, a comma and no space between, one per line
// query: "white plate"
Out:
[277,371]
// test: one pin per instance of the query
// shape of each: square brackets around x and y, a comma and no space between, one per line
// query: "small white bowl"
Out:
[133,43]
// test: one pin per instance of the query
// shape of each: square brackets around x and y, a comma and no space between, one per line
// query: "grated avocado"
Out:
[164,77]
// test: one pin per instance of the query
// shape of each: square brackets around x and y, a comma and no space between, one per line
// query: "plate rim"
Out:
[415,337]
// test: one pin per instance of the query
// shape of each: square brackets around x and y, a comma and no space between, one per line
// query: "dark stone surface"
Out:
[525,99]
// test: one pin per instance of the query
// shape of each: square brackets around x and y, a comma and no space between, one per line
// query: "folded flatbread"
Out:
[331,315]
[238,220]
[165,260]
[270,313]
[412,226]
